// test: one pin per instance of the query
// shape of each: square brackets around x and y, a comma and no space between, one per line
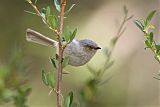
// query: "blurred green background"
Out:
[132,85]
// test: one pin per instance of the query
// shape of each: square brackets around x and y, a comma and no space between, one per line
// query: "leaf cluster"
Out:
[144,26]
[48,78]
[13,79]
[89,91]
[64,37]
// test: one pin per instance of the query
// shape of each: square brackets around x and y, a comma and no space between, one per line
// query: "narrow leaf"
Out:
[53,21]
[69,100]
[70,8]
[48,11]
[44,78]
[139,25]
[53,62]
[158,47]
[150,16]
[43,13]
[73,35]
[57,4]
[67,34]
[65,61]
[147,44]
[30,12]
[43,10]
[51,80]
[151,37]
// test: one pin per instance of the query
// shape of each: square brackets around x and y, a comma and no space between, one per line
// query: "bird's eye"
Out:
[88,48]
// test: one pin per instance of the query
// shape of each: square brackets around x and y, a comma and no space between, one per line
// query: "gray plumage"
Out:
[79,51]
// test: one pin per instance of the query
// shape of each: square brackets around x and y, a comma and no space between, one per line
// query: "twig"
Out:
[119,33]
[59,80]
[61,47]
[38,13]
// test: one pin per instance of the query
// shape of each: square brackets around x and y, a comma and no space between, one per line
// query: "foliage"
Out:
[89,92]
[13,79]
[145,27]
[59,62]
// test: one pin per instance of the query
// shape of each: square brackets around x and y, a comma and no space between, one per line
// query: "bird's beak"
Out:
[97,48]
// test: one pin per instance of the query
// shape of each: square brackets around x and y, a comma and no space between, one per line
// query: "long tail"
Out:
[33,36]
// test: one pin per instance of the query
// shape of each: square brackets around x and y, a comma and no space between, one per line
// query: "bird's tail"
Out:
[36,37]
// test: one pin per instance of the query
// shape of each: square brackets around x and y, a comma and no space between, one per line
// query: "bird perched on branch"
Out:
[79,51]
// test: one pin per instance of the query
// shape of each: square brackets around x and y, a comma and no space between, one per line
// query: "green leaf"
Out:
[70,8]
[65,61]
[53,21]
[149,17]
[73,35]
[48,11]
[69,100]
[53,62]
[157,48]
[43,13]
[43,10]
[44,78]
[30,12]
[151,37]
[57,4]
[51,80]
[48,79]
[139,25]
[147,43]
[67,34]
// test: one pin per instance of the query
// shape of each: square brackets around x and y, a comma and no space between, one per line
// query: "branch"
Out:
[38,13]
[59,81]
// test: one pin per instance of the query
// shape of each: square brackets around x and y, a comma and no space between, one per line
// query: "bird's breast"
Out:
[76,53]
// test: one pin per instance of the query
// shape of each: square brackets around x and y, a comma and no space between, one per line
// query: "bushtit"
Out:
[79,51]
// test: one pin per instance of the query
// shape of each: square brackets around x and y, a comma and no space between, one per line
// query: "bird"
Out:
[79,51]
